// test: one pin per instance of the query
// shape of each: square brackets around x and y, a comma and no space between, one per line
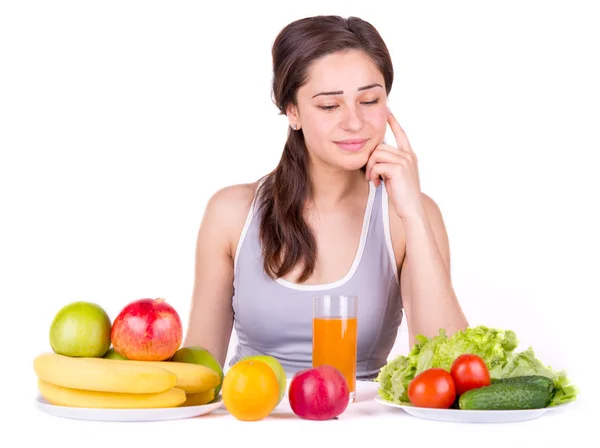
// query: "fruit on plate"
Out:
[101,374]
[199,399]
[432,388]
[80,329]
[200,355]
[64,396]
[278,370]
[319,393]
[468,372]
[192,378]
[113,354]
[250,390]
[147,330]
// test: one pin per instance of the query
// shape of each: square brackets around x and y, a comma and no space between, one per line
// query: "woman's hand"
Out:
[399,170]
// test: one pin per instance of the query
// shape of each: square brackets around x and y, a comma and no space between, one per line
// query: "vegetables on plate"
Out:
[515,381]
[523,394]
[433,388]
[468,372]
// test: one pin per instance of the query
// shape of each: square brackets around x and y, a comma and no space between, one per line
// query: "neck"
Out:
[332,186]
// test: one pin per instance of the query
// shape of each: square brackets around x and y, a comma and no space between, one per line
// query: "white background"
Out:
[119,120]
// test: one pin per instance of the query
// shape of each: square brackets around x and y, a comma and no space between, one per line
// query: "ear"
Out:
[293,116]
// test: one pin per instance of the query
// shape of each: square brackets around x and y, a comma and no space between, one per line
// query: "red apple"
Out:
[320,393]
[147,330]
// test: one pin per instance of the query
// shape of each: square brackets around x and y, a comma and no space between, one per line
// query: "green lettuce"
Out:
[495,346]
[525,363]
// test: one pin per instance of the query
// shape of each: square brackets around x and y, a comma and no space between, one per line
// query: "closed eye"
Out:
[368,103]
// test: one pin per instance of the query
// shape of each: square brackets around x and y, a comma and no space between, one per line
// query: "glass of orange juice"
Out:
[335,335]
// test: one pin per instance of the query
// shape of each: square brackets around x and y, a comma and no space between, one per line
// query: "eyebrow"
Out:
[341,92]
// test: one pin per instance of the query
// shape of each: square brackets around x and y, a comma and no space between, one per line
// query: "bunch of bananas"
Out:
[123,384]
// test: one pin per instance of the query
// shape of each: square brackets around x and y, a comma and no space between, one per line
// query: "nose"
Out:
[352,119]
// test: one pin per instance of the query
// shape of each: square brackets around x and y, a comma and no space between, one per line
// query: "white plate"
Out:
[126,415]
[466,416]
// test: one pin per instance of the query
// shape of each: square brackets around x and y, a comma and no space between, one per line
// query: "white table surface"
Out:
[364,422]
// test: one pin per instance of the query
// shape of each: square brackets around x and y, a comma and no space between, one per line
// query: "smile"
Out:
[352,145]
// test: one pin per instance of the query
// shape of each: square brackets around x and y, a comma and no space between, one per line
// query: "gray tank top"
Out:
[274,317]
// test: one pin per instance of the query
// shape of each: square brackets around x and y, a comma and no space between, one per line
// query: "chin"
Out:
[354,163]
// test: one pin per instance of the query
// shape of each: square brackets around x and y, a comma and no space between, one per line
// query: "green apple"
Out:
[113,354]
[80,329]
[200,355]
[277,368]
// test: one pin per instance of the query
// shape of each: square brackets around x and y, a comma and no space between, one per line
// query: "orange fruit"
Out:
[250,390]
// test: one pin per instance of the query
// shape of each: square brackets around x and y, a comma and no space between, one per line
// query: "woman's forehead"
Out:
[342,72]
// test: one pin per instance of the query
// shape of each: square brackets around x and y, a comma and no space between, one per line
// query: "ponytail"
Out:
[285,236]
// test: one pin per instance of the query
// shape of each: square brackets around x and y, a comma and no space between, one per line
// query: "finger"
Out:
[399,134]
[409,155]
[383,155]
[385,170]
[390,154]
[387,147]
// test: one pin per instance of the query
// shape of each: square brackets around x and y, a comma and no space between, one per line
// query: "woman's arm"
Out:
[211,313]
[427,293]
[425,281]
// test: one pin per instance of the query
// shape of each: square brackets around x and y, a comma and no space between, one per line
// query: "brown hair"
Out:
[286,238]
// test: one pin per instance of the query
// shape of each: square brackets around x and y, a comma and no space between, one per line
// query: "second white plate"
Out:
[466,416]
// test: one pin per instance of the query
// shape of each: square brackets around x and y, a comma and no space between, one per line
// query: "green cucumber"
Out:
[536,380]
[504,396]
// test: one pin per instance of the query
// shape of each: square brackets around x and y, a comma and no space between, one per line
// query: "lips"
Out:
[352,145]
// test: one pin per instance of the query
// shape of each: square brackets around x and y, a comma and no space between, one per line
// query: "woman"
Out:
[342,213]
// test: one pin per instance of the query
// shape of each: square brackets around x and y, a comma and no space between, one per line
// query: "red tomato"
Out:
[432,388]
[469,372]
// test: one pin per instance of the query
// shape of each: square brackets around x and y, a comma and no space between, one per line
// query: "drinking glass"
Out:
[335,335]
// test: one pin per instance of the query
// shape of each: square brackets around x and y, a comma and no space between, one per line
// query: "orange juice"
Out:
[334,343]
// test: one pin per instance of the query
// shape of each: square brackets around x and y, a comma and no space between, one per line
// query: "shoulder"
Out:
[438,227]
[431,207]
[436,219]
[230,199]
[227,210]
[231,204]
[398,235]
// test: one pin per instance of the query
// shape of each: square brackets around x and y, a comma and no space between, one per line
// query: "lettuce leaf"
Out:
[495,346]
[526,363]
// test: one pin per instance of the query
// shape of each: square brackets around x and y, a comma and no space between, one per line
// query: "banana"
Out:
[200,398]
[102,374]
[65,396]
[192,378]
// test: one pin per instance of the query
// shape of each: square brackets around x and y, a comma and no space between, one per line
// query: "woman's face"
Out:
[342,109]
